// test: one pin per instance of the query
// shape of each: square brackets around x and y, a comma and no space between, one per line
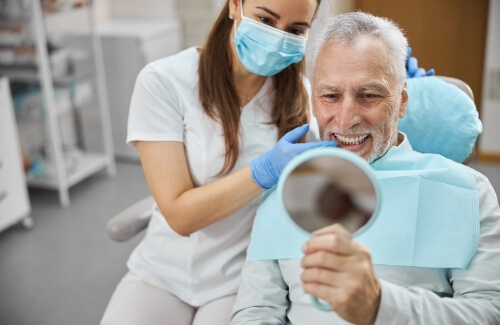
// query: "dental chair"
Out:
[423,125]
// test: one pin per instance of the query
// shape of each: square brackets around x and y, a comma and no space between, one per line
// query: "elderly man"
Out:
[358,94]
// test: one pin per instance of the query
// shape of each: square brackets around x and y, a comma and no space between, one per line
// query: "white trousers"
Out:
[137,303]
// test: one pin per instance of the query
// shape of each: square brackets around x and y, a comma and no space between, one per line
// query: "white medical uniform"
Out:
[165,107]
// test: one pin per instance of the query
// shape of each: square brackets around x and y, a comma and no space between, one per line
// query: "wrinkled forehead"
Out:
[365,62]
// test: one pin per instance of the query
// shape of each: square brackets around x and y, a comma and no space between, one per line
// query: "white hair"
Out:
[347,28]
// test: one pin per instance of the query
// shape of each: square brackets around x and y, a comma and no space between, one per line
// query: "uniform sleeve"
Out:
[263,295]
[476,298]
[155,112]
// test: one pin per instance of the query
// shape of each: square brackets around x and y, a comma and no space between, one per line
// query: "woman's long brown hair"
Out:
[220,100]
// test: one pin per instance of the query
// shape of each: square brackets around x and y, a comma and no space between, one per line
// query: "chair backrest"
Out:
[460,84]
[468,90]
[442,117]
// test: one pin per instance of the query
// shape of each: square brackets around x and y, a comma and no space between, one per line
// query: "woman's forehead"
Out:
[289,10]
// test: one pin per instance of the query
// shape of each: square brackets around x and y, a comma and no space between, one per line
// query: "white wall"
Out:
[197,17]
[64,22]
[490,111]
[143,8]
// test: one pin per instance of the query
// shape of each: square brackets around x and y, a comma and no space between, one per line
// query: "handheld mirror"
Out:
[325,186]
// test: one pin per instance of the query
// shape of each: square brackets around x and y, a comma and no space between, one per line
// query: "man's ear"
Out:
[404,102]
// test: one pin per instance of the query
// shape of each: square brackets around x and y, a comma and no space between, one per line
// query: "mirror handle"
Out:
[320,304]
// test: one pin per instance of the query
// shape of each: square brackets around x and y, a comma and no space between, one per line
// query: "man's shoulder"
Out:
[480,178]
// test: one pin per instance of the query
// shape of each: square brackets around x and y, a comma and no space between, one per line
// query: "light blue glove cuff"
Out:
[264,180]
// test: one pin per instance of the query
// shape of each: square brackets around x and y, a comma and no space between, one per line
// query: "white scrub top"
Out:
[165,107]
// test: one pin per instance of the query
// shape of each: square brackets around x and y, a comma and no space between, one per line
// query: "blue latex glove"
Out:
[412,69]
[266,168]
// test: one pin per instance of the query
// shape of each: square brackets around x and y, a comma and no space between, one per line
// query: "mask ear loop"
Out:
[233,18]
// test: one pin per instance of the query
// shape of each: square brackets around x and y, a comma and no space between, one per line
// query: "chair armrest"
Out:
[131,221]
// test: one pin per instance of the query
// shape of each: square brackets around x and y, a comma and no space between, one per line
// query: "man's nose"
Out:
[349,113]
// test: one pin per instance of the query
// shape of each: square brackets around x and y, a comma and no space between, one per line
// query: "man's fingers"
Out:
[326,260]
[335,228]
[331,242]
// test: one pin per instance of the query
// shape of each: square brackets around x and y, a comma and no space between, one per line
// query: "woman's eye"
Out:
[296,31]
[266,21]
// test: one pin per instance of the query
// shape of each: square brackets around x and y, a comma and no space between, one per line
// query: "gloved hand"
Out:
[412,69]
[266,168]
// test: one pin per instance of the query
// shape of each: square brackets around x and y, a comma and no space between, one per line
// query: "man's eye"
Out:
[370,96]
[331,96]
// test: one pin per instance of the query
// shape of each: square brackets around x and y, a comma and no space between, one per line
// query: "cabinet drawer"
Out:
[13,206]
[14,200]
[6,106]
[11,163]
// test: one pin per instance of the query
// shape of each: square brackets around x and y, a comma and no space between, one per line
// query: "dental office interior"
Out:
[67,72]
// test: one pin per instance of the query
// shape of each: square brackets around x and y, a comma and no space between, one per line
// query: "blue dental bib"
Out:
[429,216]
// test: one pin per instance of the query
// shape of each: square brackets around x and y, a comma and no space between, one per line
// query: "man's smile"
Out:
[350,140]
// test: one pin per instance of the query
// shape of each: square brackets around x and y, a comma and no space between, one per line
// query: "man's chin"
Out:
[365,152]
[358,149]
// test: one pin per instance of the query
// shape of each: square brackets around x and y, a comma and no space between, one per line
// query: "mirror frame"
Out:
[335,153]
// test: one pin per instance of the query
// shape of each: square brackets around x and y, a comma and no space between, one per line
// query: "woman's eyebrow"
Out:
[275,15]
[272,13]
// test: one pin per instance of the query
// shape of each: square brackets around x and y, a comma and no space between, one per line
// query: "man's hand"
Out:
[339,270]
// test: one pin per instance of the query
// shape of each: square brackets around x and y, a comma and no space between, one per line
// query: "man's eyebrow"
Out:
[329,88]
[372,86]
[275,15]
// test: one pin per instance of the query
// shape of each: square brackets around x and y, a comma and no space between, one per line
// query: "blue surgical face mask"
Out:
[265,50]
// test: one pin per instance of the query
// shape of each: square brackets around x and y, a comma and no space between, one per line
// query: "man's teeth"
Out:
[350,141]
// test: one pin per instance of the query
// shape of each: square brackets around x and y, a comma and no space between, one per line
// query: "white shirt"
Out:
[271,291]
[165,107]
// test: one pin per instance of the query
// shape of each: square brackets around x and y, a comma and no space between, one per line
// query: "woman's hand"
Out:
[266,169]
[412,69]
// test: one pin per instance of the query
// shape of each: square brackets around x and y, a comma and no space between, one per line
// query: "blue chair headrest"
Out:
[440,118]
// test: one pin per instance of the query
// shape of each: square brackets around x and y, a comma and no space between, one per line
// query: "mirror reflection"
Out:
[327,190]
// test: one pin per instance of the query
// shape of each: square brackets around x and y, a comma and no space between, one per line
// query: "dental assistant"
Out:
[206,122]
